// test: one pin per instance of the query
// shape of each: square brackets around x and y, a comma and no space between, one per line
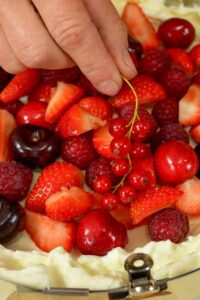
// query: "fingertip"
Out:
[109,87]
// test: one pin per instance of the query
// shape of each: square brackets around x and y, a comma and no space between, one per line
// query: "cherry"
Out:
[34,146]
[176,32]
[120,146]
[109,201]
[175,162]
[102,184]
[117,127]
[120,167]
[139,180]
[141,130]
[126,194]
[139,150]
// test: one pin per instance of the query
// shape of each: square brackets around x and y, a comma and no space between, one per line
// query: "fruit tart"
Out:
[87,180]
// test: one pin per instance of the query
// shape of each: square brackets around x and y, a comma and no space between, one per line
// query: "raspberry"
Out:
[15,180]
[87,86]
[79,150]
[98,167]
[169,132]
[51,77]
[166,111]
[175,81]
[154,62]
[168,223]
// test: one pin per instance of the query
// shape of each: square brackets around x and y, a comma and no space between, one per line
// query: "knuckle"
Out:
[34,56]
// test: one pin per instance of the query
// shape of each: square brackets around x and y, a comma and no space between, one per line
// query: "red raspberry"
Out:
[98,167]
[87,86]
[15,180]
[79,150]
[166,111]
[154,62]
[51,77]
[196,79]
[175,81]
[169,132]
[168,223]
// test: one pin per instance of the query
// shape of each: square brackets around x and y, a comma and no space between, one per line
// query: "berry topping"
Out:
[168,224]
[126,194]
[97,106]
[102,184]
[109,201]
[12,107]
[51,77]
[182,58]
[195,55]
[43,92]
[166,111]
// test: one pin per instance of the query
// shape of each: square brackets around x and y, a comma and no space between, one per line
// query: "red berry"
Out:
[168,224]
[12,107]
[166,111]
[79,150]
[196,79]
[87,86]
[135,47]
[126,194]
[139,180]
[102,184]
[141,130]
[109,201]
[120,167]
[117,127]
[139,150]
[176,33]
[51,77]
[120,146]
[195,54]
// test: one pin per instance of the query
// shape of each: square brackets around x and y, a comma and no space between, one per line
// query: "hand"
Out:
[60,33]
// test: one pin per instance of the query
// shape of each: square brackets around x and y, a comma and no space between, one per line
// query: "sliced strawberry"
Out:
[68,204]
[146,88]
[195,55]
[101,141]
[189,201]
[146,165]
[48,234]
[43,92]
[182,58]
[195,133]
[97,106]
[152,200]
[21,84]
[76,121]
[189,107]
[7,125]
[51,180]
[122,214]
[139,27]
[65,95]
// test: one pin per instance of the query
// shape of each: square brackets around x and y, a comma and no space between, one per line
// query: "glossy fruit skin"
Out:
[177,33]
[9,220]
[175,162]
[126,194]
[135,47]
[109,201]
[35,146]
[102,184]
[98,233]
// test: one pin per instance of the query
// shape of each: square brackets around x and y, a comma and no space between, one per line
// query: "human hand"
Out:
[60,33]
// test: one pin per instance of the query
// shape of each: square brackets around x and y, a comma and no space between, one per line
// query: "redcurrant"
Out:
[102,184]
[141,130]
[109,201]
[139,150]
[139,180]
[126,194]
[120,146]
[117,127]
[120,167]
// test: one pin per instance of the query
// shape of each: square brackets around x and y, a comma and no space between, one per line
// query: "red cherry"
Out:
[175,162]
[139,180]
[176,33]
[120,167]
[102,184]
[141,130]
[126,194]
[139,150]
[120,146]
[109,201]
[117,127]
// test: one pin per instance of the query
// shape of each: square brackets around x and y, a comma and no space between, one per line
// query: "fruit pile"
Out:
[123,161]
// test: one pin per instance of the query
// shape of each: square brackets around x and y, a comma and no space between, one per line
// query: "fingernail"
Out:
[129,63]
[109,87]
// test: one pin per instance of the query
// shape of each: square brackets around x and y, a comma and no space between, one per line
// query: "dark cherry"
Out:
[9,220]
[135,47]
[35,146]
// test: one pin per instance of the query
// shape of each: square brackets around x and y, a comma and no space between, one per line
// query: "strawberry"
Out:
[139,27]
[195,133]
[147,166]
[65,95]
[182,58]
[148,202]
[20,85]
[7,125]
[189,201]
[51,180]
[76,121]
[97,106]
[195,55]
[146,88]
[48,234]
[68,204]
[43,92]
[189,107]
[122,214]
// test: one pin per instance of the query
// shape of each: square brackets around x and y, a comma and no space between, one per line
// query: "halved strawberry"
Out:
[20,85]
[189,201]
[122,214]
[195,55]
[48,234]
[146,88]
[51,180]
[182,58]
[76,121]
[189,107]
[195,133]
[7,125]
[97,106]
[43,92]
[68,204]
[139,27]
[152,200]
[64,96]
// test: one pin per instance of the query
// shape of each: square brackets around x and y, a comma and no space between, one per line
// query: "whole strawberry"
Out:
[15,180]
[168,224]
